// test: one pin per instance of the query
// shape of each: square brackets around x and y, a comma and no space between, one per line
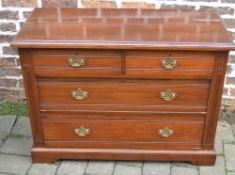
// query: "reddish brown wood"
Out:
[100,63]
[147,64]
[131,64]
[31,89]
[167,116]
[164,29]
[124,77]
[120,121]
[214,101]
[190,94]
[123,131]
[50,155]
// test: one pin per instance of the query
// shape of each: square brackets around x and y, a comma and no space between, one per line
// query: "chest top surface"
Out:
[123,29]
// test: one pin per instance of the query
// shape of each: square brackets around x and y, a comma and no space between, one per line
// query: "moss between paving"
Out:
[18,109]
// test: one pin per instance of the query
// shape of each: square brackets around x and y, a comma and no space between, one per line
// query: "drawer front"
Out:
[71,63]
[169,64]
[74,130]
[127,95]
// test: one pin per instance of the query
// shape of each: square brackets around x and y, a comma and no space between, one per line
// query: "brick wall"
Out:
[13,14]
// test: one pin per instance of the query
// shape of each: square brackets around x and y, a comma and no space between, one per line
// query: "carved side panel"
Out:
[30,84]
[214,102]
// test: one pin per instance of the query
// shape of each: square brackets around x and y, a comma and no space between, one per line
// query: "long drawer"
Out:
[173,133]
[124,95]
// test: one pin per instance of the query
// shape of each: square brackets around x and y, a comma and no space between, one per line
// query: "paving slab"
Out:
[230,165]
[127,170]
[184,164]
[231,173]
[22,127]
[13,164]
[224,132]
[100,167]
[72,168]
[19,146]
[6,124]
[217,169]
[156,168]
[229,150]
[177,170]
[131,163]
[233,128]
[219,146]
[42,169]
[21,142]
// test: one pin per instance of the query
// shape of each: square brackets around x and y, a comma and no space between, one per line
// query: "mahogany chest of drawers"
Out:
[123,84]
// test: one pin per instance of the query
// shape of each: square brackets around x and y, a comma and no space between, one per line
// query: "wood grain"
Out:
[163,29]
[214,101]
[141,93]
[123,131]
[55,63]
[188,64]
[30,84]
[123,49]
[196,157]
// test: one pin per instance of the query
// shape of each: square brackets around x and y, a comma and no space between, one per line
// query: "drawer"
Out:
[116,131]
[72,63]
[126,95]
[153,64]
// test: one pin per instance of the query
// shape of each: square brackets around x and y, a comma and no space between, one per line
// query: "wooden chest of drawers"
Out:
[123,84]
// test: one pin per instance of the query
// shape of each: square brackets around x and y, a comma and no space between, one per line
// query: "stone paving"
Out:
[16,141]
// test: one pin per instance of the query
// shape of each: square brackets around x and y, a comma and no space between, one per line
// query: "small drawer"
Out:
[115,131]
[72,63]
[181,65]
[130,95]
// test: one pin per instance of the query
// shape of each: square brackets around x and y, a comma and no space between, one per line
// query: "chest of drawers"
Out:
[123,84]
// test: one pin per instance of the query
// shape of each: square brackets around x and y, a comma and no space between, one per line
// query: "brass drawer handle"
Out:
[82,131]
[168,95]
[166,132]
[76,62]
[79,94]
[168,63]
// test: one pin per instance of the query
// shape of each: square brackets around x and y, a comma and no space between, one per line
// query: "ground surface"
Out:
[16,141]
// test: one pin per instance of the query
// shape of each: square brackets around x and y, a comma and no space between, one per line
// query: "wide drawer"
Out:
[170,133]
[72,63]
[124,95]
[154,64]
